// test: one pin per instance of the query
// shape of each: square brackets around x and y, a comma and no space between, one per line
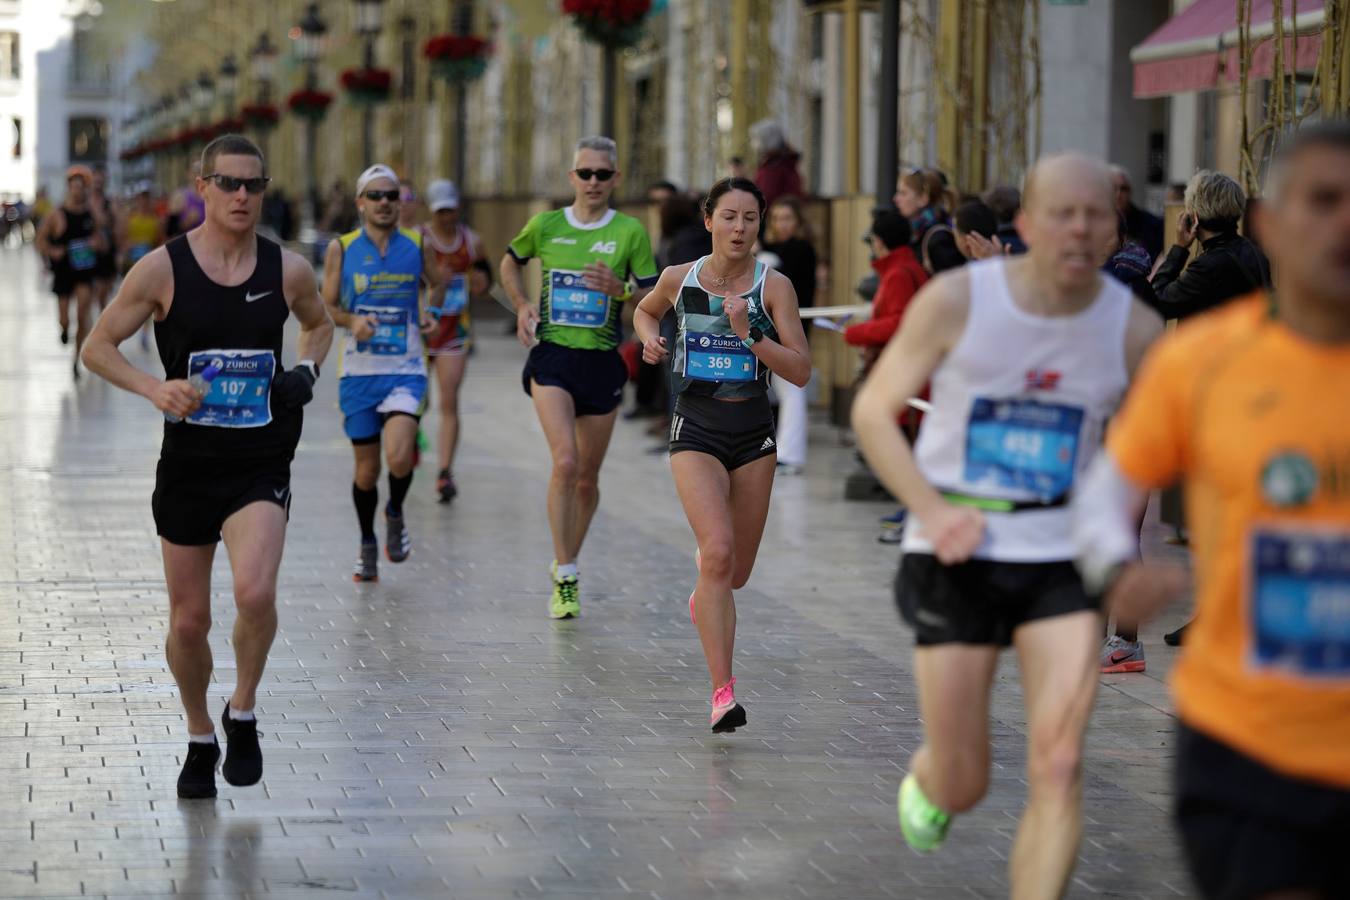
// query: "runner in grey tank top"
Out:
[737,321]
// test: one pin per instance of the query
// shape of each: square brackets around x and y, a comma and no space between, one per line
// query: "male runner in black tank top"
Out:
[71,237]
[220,297]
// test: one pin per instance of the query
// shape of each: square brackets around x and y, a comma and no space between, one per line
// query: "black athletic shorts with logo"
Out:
[594,378]
[735,432]
[195,495]
[983,601]
[1249,831]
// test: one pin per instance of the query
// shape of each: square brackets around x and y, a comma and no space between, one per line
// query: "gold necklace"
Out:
[717,280]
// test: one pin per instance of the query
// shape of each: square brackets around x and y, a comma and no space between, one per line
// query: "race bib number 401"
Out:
[1023,445]
[570,302]
[718,357]
[391,331]
[240,395]
[1300,601]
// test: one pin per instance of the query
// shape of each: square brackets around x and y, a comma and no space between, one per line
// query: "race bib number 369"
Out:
[240,396]
[718,357]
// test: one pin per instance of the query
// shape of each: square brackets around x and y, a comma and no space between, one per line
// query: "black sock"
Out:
[366,502]
[398,489]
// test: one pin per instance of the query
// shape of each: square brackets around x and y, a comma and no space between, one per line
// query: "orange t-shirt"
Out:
[1256,421]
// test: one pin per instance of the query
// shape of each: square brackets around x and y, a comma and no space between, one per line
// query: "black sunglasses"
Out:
[598,174]
[391,196]
[229,184]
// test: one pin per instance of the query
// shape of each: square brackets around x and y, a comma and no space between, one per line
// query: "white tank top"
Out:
[1019,409]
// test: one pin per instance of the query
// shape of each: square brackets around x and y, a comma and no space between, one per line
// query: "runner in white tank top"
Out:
[1027,357]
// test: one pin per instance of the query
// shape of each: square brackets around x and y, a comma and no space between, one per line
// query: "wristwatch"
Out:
[754,337]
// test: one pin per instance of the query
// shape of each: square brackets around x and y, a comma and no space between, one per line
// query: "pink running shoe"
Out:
[727,714]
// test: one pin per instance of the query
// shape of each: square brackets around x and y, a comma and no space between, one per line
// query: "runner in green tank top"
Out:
[594,259]
[737,321]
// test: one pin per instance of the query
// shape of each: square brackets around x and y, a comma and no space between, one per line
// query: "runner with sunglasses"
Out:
[574,374]
[220,297]
[737,321]
[372,280]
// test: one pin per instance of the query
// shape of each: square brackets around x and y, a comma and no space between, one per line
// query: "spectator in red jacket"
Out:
[901,277]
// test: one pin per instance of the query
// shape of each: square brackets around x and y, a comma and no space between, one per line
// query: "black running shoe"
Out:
[243,757]
[367,562]
[197,781]
[397,542]
[1175,638]
[65,339]
[445,486]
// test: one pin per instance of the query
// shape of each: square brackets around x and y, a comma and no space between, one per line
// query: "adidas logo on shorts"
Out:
[768,442]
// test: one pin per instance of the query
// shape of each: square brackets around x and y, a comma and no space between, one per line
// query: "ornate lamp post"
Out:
[227,83]
[263,61]
[369,23]
[204,95]
[308,47]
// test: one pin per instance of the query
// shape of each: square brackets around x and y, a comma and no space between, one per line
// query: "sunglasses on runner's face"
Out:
[229,184]
[599,174]
[377,196]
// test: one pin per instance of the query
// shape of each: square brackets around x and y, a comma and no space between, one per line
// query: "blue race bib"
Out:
[570,302]
[456,295]
[718,357]
[138,252]
[240,396]
[81,256]
[1023,445]
[391,331]
[1300,601]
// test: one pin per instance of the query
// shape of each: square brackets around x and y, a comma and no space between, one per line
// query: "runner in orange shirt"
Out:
[1248,406]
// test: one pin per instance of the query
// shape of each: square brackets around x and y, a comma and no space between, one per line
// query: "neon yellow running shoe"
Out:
[566,600]
[923,824]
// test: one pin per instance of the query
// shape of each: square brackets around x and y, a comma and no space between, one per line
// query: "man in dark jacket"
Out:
[1140,224]
[777,175]
[1228,264]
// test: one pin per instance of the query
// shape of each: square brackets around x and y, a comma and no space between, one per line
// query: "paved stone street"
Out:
[436,735]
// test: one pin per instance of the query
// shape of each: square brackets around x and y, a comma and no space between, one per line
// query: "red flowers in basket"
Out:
[457,58]
[260,116]
[309,104]
[614,23]
[367,86]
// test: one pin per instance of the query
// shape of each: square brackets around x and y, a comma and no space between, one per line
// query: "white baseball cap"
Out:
[374,173]
[442,194]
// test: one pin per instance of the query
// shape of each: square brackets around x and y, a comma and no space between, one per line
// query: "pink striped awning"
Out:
[1197,49]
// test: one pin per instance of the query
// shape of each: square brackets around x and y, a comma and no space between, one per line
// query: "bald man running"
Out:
[1028,356]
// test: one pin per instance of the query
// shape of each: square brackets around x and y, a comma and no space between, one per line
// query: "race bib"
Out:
[1023,445]
[391,331]
[718,357]
[81,256]
[570,302]
[456,295]
[1300,601]
[138,252]
[240,396]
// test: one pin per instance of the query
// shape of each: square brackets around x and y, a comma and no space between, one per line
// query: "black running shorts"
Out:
[195,495]
[735,432]
[594,378]
[983,601]
[1249,831]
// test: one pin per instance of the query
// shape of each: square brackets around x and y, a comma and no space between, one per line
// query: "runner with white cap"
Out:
[456,248]
[372,285]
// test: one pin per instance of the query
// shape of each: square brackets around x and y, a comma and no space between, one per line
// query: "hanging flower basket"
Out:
[309,104]
[192,137]
[260,116]
[457,58]
[367,87]
[610,23]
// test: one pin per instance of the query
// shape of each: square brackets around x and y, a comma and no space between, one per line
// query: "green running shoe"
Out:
[923,824]
[566,600]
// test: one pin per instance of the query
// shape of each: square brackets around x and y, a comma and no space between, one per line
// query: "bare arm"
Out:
[43,239]
[146,291]
[513,282]
[790,359]
[362,327]
[648,312]
[931,327]
[436,286]
[302,295]
[1144,327]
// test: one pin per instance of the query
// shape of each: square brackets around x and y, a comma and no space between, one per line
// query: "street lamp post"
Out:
[888,102]
[369,23]
[262,61]
[308,47]
[228,83]
[463,27]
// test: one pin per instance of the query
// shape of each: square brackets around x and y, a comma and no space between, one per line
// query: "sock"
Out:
[398,489]
[566,571]
[208,738]
[245,715]
[366,501]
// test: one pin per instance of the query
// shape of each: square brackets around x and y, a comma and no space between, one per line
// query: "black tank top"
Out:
[79,231]
[229,322]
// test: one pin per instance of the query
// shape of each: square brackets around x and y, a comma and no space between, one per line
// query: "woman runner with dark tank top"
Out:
[737,321]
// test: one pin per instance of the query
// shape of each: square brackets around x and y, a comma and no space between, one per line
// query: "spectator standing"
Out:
[777,175]
[1140,224]
[788,248]
[922,196]
[975,226]
[1006,201]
